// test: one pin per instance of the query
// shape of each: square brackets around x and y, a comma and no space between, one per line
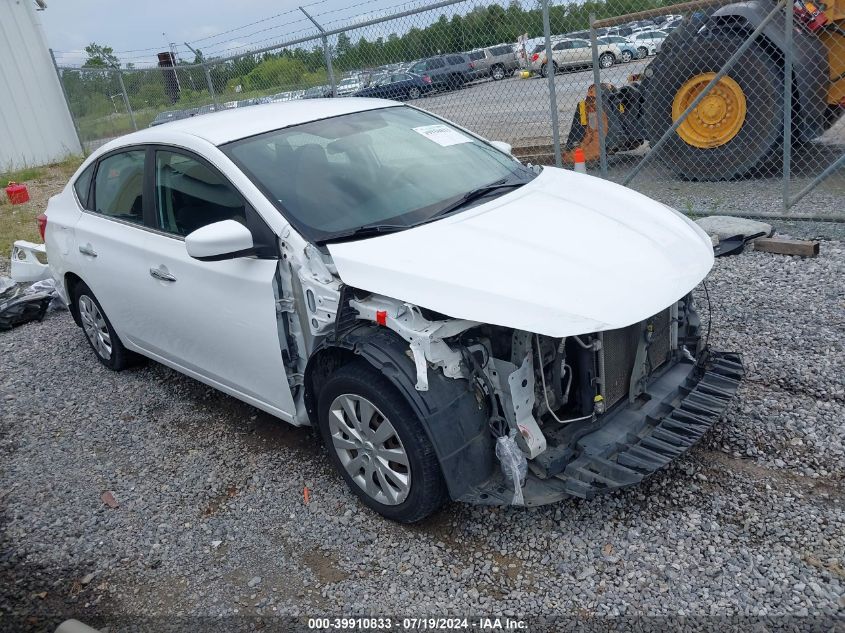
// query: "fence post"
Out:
[326,51]
[599,98]
[787,104]
[126,99]
[550,72]
[210,85]
[67,101]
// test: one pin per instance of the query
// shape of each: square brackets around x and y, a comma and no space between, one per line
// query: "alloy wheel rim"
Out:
[370,449]
[95,327]
[606,61]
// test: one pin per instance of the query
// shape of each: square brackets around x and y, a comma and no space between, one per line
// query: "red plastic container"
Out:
[16,193]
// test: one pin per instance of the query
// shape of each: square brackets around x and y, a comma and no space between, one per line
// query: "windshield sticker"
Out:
[442,135]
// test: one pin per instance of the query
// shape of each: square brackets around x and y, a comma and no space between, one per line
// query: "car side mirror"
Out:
[507,148]
[220,240]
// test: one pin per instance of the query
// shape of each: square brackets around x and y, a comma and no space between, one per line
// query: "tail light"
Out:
[471,65]
[426,79]
[42,224]
[535,57]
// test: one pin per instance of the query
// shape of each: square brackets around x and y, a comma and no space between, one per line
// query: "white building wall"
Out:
[35,124]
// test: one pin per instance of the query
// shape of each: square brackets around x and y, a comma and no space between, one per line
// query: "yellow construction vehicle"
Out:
[737,129]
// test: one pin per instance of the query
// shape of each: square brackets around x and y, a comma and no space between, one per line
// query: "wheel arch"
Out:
[72,280]
[453,419]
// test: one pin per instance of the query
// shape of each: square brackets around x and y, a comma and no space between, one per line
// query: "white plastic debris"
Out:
[514,465]
[26,265]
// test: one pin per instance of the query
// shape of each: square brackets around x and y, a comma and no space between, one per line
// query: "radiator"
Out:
[620,351]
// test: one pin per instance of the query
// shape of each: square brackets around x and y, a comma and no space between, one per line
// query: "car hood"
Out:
[565,254]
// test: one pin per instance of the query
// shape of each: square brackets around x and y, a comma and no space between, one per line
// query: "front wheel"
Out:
[544,70]
[498,73]
[378,445]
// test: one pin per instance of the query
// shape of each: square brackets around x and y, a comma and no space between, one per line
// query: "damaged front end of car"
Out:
[588,413]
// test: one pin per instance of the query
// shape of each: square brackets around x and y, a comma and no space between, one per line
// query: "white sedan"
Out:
[457,324]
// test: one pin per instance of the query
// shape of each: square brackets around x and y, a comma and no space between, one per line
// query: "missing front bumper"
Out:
[633,441]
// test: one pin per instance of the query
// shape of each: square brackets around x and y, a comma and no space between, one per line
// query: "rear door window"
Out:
[119,186]
[454,60]
[501,50]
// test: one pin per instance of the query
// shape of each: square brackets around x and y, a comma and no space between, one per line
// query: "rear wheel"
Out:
[378,445]
[98,330]
[606,60]
[413,93]
[544,71]
[643,51]
[627,56]
[737,128]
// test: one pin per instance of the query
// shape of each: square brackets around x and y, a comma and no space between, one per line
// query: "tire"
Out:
[455,82]
[99,332]
[413,93]
[544,72]
[606,60]
[497,73]
[643,51]
[759,139]
[626,56]
[378,482]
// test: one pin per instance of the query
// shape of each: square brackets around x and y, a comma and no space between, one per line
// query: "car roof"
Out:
[236,123]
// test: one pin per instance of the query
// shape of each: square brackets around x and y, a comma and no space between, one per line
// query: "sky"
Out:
[135,30]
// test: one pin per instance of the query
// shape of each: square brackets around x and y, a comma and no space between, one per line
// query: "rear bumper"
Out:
[634,441]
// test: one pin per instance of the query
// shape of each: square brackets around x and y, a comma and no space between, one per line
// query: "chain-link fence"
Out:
[693,103]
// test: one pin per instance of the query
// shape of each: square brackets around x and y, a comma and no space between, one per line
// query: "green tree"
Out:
[100,57]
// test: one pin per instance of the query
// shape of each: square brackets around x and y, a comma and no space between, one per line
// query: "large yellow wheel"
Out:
[719,116]
[737,129]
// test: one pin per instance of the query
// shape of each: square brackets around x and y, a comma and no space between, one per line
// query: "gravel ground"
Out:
[211,522]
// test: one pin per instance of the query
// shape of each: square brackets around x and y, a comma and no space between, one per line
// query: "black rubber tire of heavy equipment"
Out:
[428,489]
[757,143]
[120,357]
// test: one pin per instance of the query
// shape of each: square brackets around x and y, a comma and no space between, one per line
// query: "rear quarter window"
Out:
[83,185]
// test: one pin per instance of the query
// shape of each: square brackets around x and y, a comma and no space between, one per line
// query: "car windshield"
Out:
[392,166]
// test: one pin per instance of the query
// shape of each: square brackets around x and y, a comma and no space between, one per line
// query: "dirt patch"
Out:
[832,489]
[325,567]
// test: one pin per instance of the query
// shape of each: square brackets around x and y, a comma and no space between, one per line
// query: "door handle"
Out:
[161,274]
[88,250]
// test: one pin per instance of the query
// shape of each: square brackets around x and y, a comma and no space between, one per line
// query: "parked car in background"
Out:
[624,31]
[349,86]
[648,41]
[494,61]
[398,86]
[622,47]
[339,264]
[166,117]
[318,92]
[572,53]
[447,72]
